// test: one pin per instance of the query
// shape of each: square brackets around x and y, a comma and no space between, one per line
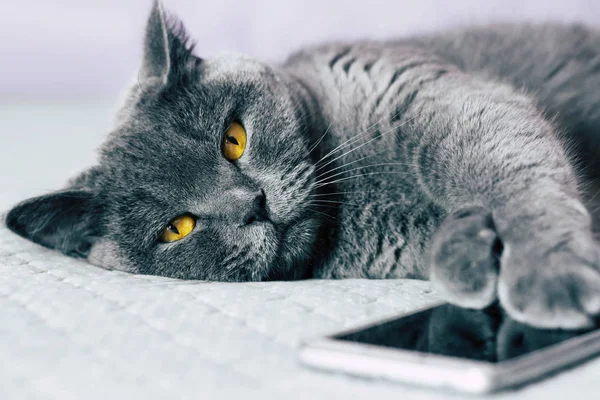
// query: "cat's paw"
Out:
[464,258]
[555,288]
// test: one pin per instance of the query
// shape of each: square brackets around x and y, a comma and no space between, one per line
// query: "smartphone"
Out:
[445,346]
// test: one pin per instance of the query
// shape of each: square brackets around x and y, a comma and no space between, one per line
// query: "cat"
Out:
[469,157]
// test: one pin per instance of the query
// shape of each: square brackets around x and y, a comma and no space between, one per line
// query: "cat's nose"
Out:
[258,210]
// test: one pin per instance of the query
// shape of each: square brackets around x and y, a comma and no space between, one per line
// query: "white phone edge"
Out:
[470,376]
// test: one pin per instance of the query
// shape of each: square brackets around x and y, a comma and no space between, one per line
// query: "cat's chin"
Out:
[104,254]
[295,251]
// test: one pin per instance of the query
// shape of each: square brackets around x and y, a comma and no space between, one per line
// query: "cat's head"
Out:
[207,174]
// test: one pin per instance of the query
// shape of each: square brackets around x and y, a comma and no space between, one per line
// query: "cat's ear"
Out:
[167,48]
[68,220]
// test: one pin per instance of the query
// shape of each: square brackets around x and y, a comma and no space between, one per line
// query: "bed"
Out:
[70,330]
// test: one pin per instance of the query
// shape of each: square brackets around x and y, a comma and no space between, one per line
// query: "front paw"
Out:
[464,258]
[540,281]
[555,286]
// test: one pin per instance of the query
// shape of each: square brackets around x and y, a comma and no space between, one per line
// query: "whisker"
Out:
[336,202]
[331,194]
[361,175]
[364,144]
[330,217]
[344,145]
[353,162]
[358,136]
[358,168]
[320,139]
[350,141]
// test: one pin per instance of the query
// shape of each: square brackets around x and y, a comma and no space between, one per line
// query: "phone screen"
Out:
[485,335]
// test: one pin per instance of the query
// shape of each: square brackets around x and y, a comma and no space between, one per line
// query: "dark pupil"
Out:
[232,140]
[173,229]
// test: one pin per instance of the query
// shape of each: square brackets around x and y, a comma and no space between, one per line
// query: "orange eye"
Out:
[234,141]
[178,228]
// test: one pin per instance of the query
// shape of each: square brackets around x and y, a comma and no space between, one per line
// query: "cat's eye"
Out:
[178,228]
[234,141]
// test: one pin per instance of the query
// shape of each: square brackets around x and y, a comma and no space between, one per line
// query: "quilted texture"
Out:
[69,330]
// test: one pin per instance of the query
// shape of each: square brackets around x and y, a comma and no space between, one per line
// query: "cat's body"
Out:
[364,91]
[452,155]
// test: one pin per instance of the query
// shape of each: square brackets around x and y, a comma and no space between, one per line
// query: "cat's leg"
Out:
[556,287]
[572,99]
[485,148]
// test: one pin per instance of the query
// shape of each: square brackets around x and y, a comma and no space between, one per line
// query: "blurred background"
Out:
[64,62]
[74,49]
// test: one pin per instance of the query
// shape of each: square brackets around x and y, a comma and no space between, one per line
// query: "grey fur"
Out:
[363,151]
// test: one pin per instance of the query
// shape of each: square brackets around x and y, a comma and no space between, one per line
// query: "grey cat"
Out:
[469,157]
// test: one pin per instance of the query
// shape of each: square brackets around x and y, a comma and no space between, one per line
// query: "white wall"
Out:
[69,49]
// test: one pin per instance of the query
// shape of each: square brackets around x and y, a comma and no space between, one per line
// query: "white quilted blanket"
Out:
[69,330]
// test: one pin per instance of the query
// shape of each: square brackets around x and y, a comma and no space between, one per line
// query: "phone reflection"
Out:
[485,335]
